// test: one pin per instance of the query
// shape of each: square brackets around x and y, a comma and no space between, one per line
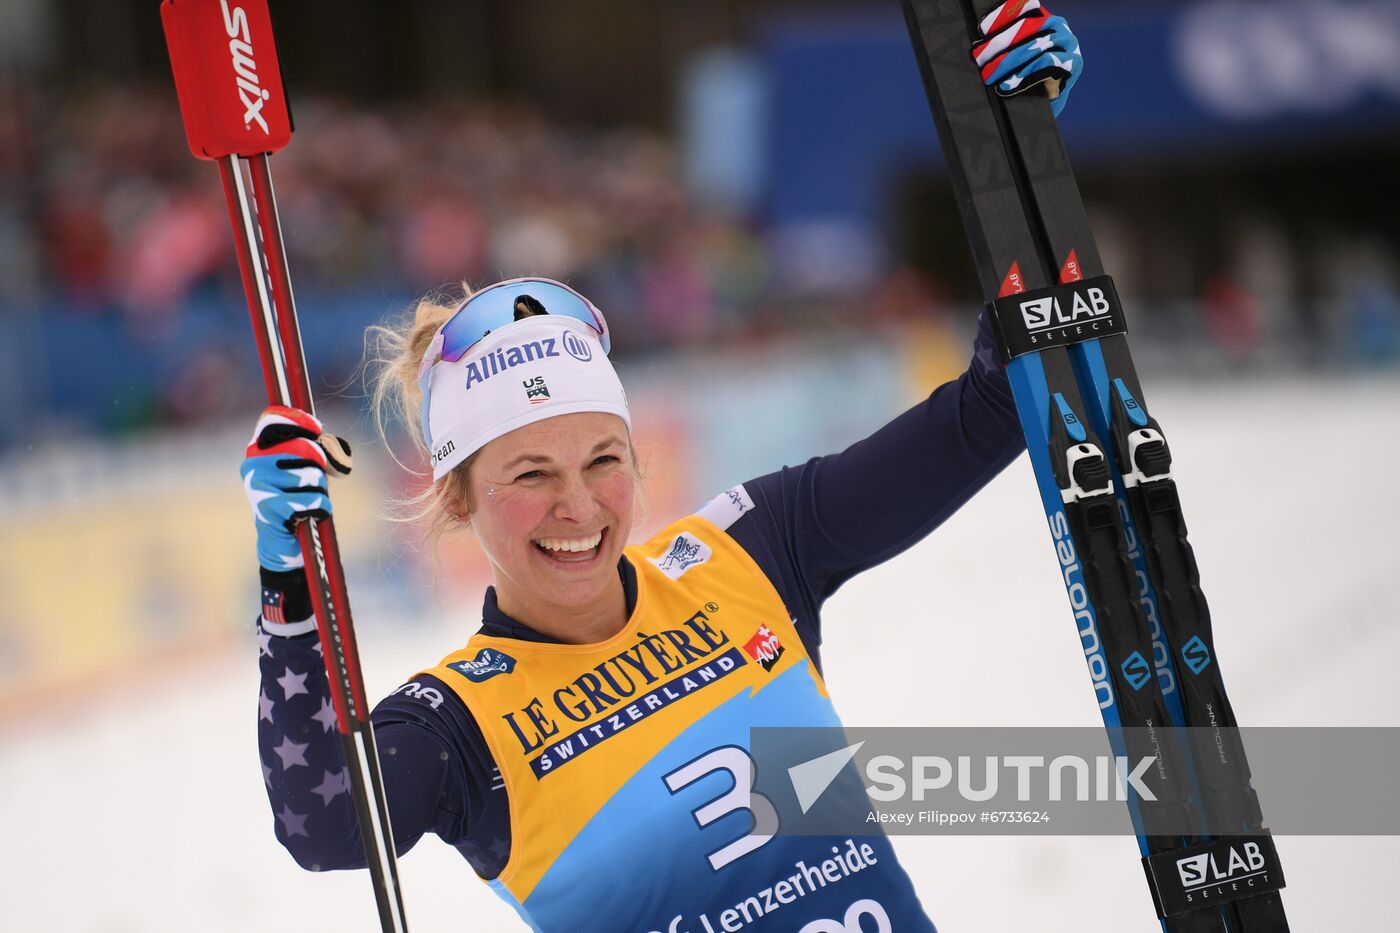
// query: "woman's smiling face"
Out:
[553,508]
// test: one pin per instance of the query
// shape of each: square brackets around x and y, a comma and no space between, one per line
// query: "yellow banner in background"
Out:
[143,563]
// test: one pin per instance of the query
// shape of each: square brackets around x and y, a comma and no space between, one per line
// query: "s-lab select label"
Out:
[1226,869]
[1059,316]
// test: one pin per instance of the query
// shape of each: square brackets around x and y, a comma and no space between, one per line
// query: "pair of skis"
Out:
[1103,468]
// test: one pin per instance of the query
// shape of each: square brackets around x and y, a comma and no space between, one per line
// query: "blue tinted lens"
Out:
[494,308]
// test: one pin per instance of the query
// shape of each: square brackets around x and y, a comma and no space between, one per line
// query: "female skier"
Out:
[587,750]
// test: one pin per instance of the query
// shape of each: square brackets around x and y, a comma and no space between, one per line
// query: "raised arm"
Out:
[812,527]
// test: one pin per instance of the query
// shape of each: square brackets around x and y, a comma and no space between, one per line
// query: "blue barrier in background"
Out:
[103,370]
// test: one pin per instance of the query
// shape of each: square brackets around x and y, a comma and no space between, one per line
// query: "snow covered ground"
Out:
[1289,489]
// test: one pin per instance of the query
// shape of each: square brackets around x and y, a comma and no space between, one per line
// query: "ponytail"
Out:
[393,353]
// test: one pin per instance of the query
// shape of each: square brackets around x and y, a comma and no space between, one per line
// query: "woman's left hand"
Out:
[1026,45]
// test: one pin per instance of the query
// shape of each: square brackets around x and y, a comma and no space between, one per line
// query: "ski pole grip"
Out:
[227,76]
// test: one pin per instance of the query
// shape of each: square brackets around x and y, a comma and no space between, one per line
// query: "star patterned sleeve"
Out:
[303,767]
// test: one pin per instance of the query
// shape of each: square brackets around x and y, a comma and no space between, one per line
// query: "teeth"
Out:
[571,544]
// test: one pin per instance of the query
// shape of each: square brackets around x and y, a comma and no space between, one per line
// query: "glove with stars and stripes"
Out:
[284,475]
[1026,45]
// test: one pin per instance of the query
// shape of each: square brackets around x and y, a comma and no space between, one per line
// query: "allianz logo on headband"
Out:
[504,358]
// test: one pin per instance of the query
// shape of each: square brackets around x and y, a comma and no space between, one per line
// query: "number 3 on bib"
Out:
[734,761]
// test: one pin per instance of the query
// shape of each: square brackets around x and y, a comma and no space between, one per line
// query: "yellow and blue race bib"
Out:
[627,769]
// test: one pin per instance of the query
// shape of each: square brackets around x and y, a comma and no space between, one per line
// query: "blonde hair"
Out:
[393,352]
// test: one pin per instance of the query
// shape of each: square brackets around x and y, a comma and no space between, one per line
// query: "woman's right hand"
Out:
[284,476]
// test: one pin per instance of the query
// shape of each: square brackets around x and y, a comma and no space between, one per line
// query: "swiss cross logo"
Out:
[764,647]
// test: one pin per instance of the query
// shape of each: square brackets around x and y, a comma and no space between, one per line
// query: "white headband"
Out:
[535,368]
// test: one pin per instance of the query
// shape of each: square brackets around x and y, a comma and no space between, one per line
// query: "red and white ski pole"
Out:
[235,112]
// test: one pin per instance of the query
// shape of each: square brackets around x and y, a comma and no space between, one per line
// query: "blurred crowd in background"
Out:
[397,199]
[110,224]
[114,228]
[119,224]
[114,242]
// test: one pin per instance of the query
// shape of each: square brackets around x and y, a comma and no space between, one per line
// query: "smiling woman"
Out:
[554,510]
[654,659]
[587,751]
